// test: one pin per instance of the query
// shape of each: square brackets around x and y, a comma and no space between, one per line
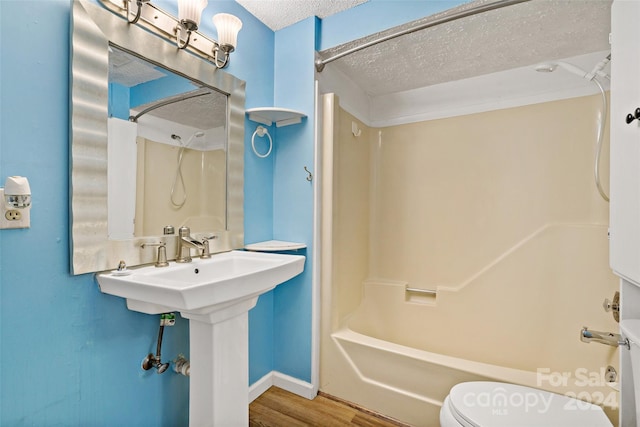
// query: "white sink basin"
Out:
[203,285]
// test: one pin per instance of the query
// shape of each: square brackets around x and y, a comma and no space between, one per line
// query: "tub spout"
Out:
[607,338]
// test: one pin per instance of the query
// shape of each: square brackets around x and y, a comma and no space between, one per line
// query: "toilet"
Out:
[494,404]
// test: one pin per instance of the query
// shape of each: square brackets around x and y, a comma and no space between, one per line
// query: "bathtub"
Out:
[399,352]
[410,385]
[512,291]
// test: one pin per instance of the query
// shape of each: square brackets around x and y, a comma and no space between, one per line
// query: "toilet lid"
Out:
[493,404]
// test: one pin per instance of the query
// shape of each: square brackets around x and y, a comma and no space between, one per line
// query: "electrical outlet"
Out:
[13,218]
[13,215]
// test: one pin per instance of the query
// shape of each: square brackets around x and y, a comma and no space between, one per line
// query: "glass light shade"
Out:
[191,10]
[228,27]
[17,192]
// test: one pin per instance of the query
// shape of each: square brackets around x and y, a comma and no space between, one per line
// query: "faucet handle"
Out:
[205,250]
[162,256]
[206,253]
[161,261]
[613,306]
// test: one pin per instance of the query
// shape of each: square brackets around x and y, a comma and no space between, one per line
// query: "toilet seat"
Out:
[493,404]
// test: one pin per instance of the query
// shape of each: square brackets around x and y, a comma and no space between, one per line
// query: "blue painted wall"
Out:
[119,99]
[164,87]
[293,195]
[70,355]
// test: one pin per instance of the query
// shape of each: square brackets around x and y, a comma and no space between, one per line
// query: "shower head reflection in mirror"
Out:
[597,71]
[178,175]
[170,114]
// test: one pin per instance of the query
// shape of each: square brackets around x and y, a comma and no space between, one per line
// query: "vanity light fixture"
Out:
[127,6]
[184,28]
[189,13]
[228,27]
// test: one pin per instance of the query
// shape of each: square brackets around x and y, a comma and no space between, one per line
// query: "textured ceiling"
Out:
[204,112]
[129,70]
[515,36]
[207,111]
[278,14]
[511,37]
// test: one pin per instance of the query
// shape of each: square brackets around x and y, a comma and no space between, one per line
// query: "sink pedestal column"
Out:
[219,357]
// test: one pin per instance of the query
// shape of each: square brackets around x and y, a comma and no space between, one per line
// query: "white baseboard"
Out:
[260,386]
[283,381]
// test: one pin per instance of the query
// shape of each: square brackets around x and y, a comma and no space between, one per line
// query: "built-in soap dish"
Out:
[420,295]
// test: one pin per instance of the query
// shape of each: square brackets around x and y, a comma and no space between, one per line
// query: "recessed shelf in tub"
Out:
[280,116]
[274,246]
[420,295]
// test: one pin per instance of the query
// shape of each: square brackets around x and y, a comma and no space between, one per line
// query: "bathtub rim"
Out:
[491,372]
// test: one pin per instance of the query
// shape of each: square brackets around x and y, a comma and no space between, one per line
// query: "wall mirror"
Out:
[156,139]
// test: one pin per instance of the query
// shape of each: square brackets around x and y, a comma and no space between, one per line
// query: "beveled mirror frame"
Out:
[93,30]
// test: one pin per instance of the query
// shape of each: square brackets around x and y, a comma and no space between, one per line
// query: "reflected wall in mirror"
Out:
[168,135]
[156,139]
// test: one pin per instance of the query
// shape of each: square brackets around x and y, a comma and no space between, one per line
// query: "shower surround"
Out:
[498,213]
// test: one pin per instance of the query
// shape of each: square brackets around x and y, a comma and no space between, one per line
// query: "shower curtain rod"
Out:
[169,101]
[320,63]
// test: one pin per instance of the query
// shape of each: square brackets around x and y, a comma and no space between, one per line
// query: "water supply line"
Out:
[182,366]
[155,361]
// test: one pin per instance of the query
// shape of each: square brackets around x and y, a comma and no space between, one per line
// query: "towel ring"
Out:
[261,132]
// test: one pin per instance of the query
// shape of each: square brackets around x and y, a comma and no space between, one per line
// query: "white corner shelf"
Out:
[274,246]
[280,116]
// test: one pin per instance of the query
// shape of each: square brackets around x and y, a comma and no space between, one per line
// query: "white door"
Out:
[625,140]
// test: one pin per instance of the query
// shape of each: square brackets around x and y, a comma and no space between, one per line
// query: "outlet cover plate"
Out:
[24,220]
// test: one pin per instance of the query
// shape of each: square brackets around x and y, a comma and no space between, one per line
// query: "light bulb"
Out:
[191,10]
[228,27]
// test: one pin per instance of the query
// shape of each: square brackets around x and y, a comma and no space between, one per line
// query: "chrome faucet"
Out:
[607,338]
[186,243]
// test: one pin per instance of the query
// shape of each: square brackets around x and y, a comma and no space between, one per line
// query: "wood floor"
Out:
[279,408]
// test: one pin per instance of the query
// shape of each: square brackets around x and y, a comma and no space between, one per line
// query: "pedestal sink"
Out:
[216,295]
